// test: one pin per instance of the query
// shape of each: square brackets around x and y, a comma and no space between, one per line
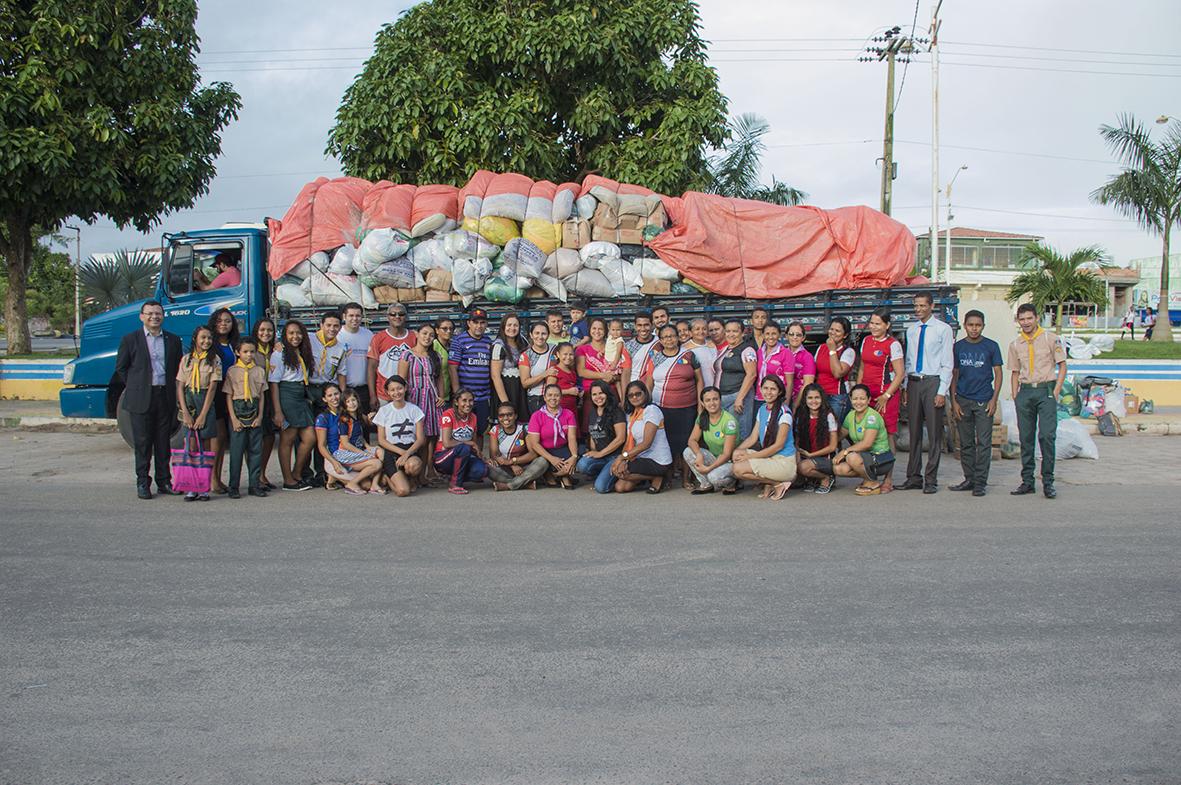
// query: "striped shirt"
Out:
[473,359]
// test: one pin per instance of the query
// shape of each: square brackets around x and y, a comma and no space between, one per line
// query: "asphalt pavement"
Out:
[554,636]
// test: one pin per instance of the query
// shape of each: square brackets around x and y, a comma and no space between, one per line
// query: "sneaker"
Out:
[296,486]
[260,492]
[190,497]
[233,493]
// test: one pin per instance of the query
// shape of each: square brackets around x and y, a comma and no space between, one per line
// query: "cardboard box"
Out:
[618,236]
[435,296]
[385,294]
[1000,435]
[576,234]
[411,295]
[655,286]
[1132,403]
[438,279]
[996,453]
[605,216]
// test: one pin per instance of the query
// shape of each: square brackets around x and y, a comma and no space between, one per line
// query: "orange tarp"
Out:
[326,214]
[742,248]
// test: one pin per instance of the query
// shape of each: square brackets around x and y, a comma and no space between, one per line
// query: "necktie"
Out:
[922,340]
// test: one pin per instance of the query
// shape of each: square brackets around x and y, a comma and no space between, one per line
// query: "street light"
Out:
[947,246]
[1164,118]
[77,290]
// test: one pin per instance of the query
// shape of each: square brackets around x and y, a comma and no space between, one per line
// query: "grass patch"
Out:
[1143,350]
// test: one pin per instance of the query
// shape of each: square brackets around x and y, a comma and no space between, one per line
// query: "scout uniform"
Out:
[1035,360]
[198,372]
[246,385]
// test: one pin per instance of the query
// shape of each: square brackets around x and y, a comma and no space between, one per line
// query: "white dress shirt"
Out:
[937,351]
[156,353]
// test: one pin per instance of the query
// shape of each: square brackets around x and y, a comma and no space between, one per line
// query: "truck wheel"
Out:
[124,421]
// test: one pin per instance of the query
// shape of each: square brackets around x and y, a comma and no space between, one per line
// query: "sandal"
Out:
[376,491]
[654,489]
[702,491]
[331,484]
[355,492]
[730,490]
[458,490]
[780,491]
[500,486]
[866,490]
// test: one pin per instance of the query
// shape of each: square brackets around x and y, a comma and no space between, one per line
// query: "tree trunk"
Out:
[19,255]
[1058,317]
[1164,327]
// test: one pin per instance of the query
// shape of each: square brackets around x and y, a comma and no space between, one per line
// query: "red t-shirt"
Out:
[566,380]
[388,350]
[462,428]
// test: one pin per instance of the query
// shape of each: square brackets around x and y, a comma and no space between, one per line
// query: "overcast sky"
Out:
[1023,88]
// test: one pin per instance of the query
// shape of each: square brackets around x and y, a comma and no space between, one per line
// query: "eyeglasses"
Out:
[635,394]
[398,313]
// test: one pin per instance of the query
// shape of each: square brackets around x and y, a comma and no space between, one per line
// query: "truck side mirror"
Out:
[179,275]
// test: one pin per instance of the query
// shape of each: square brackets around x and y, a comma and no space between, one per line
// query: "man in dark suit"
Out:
[147,363]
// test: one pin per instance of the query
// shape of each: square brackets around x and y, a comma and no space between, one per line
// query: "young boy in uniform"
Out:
[245,385]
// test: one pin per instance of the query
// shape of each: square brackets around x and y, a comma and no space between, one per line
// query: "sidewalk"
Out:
[46,416]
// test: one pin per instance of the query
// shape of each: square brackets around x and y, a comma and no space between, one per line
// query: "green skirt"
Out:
[193,403]
[293,397]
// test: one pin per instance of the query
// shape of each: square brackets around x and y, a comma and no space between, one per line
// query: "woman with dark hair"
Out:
[646,456]
[590,360]
[456,453]
[711,445]
[224,327]
[536,365]
[553,435]
[803,363]
[512,464]
[264,338]
[768,455]
[420,368]
[735,371]
[401,435]
[817,435]
[196,387]
[507,349]
[606,432]
[869,456]
[291,367]
[340,441]
[835,360]
[673,376]
[882,369]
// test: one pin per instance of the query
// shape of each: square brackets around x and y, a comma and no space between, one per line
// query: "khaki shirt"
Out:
[236,378]
[209,371]
[1047,353]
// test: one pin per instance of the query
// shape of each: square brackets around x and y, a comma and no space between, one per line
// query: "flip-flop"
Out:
[730,491]
[378,491]
[864,490]
[654,489]
[458,490]
[702,491]
[355,492]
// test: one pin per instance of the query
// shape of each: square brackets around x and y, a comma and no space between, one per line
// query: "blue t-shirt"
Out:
[789,446]
[578,331]
[473,357]
[334,429]
[976,362]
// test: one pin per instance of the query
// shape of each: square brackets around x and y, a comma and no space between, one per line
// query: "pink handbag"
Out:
[192,470]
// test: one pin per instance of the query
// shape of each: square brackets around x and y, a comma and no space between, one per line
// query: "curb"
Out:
[62,424]
[1138,429]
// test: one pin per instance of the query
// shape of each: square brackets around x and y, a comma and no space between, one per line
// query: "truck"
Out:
[92,388]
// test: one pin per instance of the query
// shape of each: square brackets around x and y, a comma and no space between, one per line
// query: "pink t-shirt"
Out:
[231,276]
[805,365]
[551,430]
[595,361]
[772,362]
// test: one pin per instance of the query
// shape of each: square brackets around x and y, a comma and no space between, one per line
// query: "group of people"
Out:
[713,404]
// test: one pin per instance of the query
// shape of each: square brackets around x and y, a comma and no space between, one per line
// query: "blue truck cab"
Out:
[92,390]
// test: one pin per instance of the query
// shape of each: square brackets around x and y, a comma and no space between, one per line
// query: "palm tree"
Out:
[736,171]
[1056,279]
[119,279]
[1148,190]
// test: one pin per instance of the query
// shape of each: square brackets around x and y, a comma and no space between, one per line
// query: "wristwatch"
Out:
[625,453]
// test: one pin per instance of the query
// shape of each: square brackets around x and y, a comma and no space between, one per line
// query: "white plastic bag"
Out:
[368,299]
[292,294]
[468,276]
[1102,343]
[563,206]
[603,250]
[552,286]
[562,263]
[400,273]
[1072,441]
[342,260]
[650,267]
[624,278]
[584,207]
[333,289]
[430,254]
[589,283]
[523,258]
[378,247]
[468,245]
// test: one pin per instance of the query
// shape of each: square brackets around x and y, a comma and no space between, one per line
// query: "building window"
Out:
[1000,257]
[963,256]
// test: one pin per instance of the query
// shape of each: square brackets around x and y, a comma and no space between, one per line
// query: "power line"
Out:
[906,63]
[1041,215]
[1052,49]
[1014,152]
[1139,63]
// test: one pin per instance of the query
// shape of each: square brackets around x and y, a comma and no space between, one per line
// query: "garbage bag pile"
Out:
[504,237]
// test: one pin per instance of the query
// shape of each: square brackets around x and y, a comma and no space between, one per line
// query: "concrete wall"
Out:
[31,380]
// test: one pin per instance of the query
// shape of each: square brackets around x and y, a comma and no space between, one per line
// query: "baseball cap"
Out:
[477,315]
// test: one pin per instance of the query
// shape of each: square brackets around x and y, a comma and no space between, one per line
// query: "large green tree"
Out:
[1148,190]
[50,283]
[102,114]
[1052,278]
[555,89]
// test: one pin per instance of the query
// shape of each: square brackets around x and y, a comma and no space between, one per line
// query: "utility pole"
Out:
[934,233]
[77,289]
[892,47]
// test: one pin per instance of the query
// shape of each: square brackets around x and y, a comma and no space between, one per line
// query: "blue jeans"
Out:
[600,470]
[746,420]
[840,405]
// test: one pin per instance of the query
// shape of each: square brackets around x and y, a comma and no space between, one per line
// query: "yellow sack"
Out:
[545,235]
[497,231]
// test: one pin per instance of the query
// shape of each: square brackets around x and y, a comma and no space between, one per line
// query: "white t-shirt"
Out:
[356,361]
[705,358]
[398,423]
[658,451]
